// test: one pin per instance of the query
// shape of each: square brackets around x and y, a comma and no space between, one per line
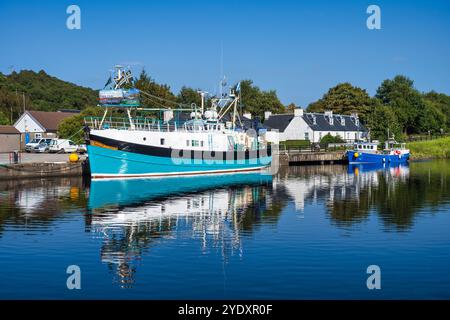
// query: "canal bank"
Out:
[32,165]
[430,149]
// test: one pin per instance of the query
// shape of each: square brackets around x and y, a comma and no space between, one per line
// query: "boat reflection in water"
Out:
[380,188]
[132,215]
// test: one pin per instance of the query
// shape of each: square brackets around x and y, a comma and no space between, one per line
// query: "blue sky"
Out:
[299,48]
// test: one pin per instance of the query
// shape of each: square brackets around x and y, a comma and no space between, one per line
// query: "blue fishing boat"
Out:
[367,152]
[188,140]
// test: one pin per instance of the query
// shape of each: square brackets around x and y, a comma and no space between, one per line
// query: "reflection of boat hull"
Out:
[363,157]
[131,191]
[113,163]
[370,167]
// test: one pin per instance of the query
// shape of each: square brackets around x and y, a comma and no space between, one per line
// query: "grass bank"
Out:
[431,149]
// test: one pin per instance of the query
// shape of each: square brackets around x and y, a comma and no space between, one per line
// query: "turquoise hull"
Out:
[109,163]
[123,192]
[375,158]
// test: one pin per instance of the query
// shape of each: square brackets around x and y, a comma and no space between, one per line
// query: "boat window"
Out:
[163,141]
[201,143]
[360,147]
[195,143]
[187,143]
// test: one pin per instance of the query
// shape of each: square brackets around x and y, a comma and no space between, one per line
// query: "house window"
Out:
[320,135]
[38,135]
[163,141]
[306,135]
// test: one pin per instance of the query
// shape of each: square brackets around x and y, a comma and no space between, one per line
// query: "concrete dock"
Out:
[35,165]
[308,157]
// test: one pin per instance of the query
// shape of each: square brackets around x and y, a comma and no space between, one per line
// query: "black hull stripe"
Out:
[169,152]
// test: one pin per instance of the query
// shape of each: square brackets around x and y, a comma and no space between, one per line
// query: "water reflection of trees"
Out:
[397,195]
[218,218]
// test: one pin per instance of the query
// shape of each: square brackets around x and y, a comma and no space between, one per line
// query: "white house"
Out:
[40,124]
[312,126]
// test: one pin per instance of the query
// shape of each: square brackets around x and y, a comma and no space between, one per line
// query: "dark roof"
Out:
[323,123]
[50,120]
[8,130]
[278,121]
[281,121]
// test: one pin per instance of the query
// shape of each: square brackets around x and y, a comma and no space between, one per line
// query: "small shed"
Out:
[9,139]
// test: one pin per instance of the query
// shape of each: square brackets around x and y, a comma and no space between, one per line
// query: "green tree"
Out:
[431,119]
[3,119]
[256,101]
[400,94]
[165,97]
[344,99]
[43,92]
[441,103]
[188,96]
[291,108]
[72,127]
[382,120]
[328,138]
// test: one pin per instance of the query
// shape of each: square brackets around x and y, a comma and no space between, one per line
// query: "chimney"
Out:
[355,116]
[267,115]
[247,115]
[329,114]
[298,112]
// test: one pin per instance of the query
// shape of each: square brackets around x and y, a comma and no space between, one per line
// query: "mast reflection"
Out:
[131,216]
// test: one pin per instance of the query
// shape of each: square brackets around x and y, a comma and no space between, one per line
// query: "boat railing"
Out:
[141,124]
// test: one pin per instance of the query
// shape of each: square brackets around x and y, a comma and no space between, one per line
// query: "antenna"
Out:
[202,94]
[223,81]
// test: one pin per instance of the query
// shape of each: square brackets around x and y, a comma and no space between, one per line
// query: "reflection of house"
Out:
[313,126]
[9,139]
[40,124]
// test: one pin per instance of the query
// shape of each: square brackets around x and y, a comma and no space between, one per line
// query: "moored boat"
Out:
[206,142]
[367,152]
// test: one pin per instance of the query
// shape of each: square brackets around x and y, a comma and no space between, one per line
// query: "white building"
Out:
[40,124]
[312,126]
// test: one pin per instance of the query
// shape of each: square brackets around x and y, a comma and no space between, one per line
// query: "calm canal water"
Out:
[310,232]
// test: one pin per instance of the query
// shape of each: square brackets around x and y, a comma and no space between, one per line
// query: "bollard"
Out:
[16,157]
